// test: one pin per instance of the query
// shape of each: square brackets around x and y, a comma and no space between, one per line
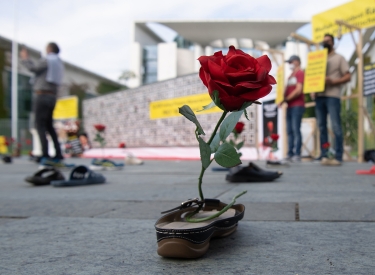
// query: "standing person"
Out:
[295,99]
[328,102]
[48,76]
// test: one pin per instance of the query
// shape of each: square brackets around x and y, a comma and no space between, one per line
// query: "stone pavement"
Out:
[313,220]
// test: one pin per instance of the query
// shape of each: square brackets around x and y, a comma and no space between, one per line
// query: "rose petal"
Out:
[202,76]
[271,80]
[256,94]
[265,62]
[231,103]
[216,72]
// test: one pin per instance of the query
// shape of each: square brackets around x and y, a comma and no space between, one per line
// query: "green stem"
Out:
[217,214]
[200,179]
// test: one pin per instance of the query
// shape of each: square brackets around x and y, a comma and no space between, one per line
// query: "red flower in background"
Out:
[237,77]
[99,127]
[274,137]
[122,145]
[326,145]
[239,127]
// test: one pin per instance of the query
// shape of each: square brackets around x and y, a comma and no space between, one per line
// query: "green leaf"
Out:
[239,145]
[205,151]
[187,112]
[207,107]
[231,142]
[215,143]
[228,124]
[216,100]
[227,156]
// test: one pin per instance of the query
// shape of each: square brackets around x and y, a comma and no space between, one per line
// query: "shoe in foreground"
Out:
[178,238]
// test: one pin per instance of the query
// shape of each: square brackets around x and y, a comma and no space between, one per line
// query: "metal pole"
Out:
[360,98]
[14,105]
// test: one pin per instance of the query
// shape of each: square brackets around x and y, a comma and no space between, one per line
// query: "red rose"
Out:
[274,137]
[326,145]
[122,145]
[99,127]
[238,77]
[239,127]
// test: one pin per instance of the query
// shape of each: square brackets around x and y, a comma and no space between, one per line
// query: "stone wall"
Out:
[126,116]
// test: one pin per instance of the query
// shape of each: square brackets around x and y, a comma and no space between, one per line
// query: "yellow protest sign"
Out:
[315,73]
[359,13]
[66,108]
[3,145]
[169,107]
[280,85]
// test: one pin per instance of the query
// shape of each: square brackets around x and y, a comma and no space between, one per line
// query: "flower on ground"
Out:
[326,145]
[236,78]
[274,137]
[99,127]
[239,127]
[122,145]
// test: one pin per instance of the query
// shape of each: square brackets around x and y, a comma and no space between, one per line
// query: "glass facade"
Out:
[150,64]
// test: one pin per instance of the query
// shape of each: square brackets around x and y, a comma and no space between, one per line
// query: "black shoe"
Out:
[369,155]
[7,159]
[251,173]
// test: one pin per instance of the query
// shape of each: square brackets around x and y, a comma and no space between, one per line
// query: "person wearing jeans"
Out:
[296,107]
[48,76]
[328,101]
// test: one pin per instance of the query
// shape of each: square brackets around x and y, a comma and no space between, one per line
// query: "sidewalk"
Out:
[313,220]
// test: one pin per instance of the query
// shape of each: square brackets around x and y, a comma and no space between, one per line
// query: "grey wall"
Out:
[126,115]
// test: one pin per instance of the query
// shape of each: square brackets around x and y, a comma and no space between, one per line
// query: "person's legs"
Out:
[296,124]
[51,129]
[41,122]
[289,115]
[321,115]
[334,109]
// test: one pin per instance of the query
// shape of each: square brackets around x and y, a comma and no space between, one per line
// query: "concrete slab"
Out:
[340,211]
[42,245]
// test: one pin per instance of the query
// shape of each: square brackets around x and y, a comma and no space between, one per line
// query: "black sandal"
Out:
[45,176]
[178,238]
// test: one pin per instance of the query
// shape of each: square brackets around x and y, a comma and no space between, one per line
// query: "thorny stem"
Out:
[209,143]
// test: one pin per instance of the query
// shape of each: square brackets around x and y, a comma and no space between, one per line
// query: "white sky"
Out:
[95,34]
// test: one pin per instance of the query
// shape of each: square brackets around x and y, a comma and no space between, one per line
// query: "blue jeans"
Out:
[331,106]
[293,122]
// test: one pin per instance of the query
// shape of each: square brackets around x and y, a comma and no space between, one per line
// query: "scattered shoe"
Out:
[178,238]
[105,164]
[251,173]
[277,163]
[45,176]
[81,175]
[330,162]
[56,163]
[7,159]
[296,159]
[369,155]
[366,172]
[133,160]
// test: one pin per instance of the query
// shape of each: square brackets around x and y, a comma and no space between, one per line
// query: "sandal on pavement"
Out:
[45,176]
[251,173]
[366,172]
[178,238]
[81,175]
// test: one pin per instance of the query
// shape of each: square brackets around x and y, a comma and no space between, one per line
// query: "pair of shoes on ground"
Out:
[81,175]
[251,173]
[178,238]
[105,164]
[330,162]
[54,162]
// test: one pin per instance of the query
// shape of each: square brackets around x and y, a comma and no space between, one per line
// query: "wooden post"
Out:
[359,47]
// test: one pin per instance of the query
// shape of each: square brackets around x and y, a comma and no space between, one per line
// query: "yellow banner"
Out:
[3,145]
[66,108]
[169,107]
[360,13]
[315,73]
[280,85]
